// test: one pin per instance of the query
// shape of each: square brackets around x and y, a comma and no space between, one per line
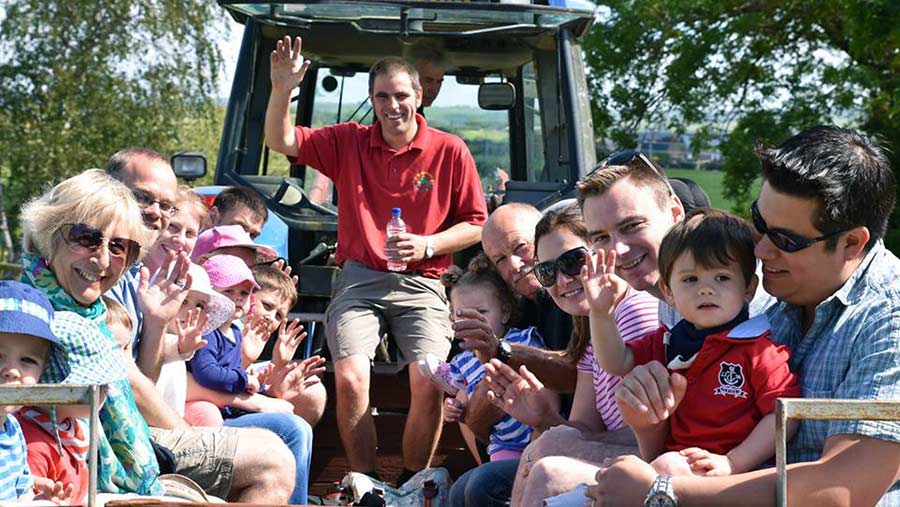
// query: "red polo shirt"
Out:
[434,181]
[732,384]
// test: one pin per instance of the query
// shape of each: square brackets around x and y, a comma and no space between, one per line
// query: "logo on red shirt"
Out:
[731,379]
[423,182]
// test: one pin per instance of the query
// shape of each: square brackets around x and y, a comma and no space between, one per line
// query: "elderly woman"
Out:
[79,237]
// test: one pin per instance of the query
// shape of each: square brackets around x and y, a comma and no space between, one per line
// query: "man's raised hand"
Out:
[602,287]
[286,65]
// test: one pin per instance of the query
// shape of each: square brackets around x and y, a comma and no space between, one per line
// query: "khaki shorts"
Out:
[366,304]
[206,455]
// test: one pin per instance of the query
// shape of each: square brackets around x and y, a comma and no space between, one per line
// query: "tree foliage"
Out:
[744,71]
[81,79]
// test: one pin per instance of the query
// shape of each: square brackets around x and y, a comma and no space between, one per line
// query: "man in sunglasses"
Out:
[822,213]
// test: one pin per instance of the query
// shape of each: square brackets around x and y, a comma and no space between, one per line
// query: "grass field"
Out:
[711,181]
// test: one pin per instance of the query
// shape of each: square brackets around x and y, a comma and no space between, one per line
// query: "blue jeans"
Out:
[489,485]
[296,434]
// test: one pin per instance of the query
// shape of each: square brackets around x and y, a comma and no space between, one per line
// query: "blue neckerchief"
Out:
[685,340]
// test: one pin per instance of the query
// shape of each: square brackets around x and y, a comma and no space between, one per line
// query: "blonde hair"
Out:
[91,198]
[116,313]
[270,278]
[188,200]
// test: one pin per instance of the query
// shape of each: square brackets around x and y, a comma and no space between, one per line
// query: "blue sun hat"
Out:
[25,310]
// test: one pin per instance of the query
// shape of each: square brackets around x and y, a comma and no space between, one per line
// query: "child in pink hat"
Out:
[230,240]
[218,364]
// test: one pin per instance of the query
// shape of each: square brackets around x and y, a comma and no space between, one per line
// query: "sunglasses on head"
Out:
[627,157]
[145,200]
[569,262]
[90,238]
[785,240]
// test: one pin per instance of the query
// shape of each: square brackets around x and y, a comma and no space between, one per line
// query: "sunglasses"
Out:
[145,200]
[627,157]
[91,238]
[569,262]
[785,240]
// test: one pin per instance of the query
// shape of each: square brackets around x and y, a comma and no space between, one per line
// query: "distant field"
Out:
[711,181]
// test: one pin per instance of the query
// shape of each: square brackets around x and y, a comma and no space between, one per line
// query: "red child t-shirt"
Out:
[731,385]
[44,457]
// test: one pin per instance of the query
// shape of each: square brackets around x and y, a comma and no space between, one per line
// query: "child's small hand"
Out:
[190,332]
[289,338]
[285,268]
[454,410]
[602,287]
[707,463]
[55,491]
[252,383]
[253,340]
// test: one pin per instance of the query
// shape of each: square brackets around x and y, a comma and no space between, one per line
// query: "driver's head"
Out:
[239,206]
[430,65]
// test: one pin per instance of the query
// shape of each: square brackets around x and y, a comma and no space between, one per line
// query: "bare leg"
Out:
[471,443]
[264,469]
[423,424]
[555,475]
[355,422]
[569,442]
[310,405]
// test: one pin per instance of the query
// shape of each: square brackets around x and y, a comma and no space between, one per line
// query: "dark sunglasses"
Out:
[627,157]
[569,262]
[145,200]
[90,238]
[785,240]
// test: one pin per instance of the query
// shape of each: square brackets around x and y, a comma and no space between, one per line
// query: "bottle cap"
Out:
[395,212]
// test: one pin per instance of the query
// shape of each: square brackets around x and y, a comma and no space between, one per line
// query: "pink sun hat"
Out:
[220,308]
[227,271]
[225,236]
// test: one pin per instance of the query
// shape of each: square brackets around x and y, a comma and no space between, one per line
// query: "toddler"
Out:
[725,424]
[481,289]
[218,365]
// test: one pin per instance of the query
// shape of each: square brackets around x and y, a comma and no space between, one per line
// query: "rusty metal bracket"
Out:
[57,394]
[828,409]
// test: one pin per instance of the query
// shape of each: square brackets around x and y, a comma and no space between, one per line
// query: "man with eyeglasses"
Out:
[822,213]
[224,461]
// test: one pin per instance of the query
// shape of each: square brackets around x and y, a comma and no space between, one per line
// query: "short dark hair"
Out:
[120,160]
[391,65]
[599,181]
[846,171]
[233,197]
[714,238]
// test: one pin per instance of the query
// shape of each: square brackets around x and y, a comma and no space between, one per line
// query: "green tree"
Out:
[81,79]
[746,71]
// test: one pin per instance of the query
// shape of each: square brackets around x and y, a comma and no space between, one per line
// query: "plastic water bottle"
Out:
[394,227]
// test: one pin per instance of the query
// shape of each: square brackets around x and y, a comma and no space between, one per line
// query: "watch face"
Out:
[659,500]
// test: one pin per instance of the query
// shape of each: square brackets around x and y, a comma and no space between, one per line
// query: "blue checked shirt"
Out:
[852,350]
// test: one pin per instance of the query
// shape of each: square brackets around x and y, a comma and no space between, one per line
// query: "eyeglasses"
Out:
[626,157]
[145,200]
[785,240]
[569,262]
[90,238]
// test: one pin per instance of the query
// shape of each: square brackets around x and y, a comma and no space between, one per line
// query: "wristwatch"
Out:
[661,494]
[504,351]
[429,248]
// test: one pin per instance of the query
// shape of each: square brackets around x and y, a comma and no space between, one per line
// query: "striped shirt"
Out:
[15,477]
[636,316]
[852,350]
[508,434]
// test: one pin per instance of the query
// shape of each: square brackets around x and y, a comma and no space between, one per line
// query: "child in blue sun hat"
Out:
[26,344]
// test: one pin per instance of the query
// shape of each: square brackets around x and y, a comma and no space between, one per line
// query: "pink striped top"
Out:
[636,316]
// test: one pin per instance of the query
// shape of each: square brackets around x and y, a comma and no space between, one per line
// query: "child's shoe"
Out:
[439,372]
